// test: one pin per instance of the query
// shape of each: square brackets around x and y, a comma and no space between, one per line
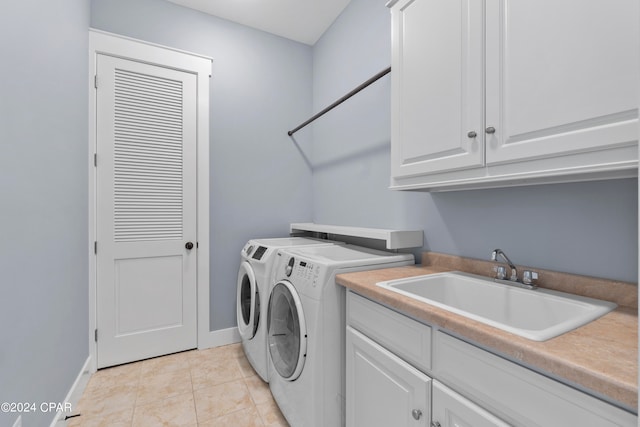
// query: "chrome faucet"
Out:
[514,272]
[528,277]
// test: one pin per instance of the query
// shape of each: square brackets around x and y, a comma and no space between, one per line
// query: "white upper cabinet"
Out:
[505,92]
[562,76]
[437,91]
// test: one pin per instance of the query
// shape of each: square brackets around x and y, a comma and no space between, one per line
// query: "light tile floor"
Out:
[214,387]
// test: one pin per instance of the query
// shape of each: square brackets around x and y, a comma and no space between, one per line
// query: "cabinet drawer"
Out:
[517,394]
[409,339]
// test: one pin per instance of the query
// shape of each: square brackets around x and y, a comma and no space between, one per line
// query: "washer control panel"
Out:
[302,272]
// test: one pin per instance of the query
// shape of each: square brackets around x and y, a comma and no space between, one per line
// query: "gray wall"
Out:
[43,195]
[351,143]
[587,228]
[261,87]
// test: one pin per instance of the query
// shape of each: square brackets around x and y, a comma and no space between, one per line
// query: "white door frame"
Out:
[101,42]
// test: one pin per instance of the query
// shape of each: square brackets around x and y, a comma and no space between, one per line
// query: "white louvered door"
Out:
[146,211]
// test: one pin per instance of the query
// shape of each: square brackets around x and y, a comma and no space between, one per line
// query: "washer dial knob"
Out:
[289,268]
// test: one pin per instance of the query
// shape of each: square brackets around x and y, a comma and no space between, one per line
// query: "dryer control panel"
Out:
[258,254]
[253,252]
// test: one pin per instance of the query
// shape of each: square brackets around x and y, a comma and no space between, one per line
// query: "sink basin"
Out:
[537,315]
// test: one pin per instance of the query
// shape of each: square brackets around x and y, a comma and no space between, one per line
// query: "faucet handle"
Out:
[501,272]
[529,277]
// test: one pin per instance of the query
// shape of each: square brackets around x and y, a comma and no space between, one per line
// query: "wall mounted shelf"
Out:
[394,239]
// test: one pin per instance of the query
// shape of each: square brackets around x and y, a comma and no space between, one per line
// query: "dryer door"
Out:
[287,331]
[248,300]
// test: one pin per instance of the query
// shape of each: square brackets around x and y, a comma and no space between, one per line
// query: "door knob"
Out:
[490,130]
[435,424]
[472,134]
[189,245]
[417,413]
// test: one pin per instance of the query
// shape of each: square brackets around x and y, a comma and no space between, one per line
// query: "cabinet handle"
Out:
[472,134]
[435,424]
[417,413]
[490,130]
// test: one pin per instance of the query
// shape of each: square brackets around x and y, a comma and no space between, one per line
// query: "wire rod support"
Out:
[341,100]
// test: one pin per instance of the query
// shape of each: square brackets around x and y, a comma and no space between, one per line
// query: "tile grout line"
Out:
[193,392]
[255,405]
[135,404]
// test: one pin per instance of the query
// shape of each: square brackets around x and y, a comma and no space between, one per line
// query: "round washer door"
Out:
[287,331]
[248,300]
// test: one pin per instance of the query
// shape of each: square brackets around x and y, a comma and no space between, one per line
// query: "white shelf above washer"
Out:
[394,239]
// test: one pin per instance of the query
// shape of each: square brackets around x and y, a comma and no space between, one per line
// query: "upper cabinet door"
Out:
[437,86]
[562,77]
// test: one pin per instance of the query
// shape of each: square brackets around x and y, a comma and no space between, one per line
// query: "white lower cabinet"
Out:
[517,394]
[382,389]
[449,409]
[400,372]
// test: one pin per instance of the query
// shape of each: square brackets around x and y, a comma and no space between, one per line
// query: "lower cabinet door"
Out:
[382,389]
[449,409]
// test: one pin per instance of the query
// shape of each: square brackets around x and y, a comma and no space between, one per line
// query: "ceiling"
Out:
[300,20]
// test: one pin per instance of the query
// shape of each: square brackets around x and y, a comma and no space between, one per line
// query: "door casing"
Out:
[101,42]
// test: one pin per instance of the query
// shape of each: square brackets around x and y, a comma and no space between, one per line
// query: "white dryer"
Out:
[254,274]
[306,329]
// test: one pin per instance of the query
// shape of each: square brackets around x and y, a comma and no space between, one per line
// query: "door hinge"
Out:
[197,245]
[95,335]
[95,81]
[95,247]
[95,159]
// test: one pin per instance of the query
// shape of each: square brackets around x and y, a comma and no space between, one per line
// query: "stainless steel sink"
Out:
[538,315]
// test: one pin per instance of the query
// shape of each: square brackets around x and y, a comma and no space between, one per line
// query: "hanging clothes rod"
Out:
[341,100]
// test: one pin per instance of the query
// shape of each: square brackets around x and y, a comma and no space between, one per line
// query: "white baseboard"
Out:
[219,338]
[74,394]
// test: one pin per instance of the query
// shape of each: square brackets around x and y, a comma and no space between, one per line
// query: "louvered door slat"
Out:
[147,190]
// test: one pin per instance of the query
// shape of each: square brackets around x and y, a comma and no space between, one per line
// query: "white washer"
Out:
[254,276]
[306,329]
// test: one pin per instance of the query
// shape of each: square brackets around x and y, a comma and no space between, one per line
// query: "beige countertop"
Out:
[601,356]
